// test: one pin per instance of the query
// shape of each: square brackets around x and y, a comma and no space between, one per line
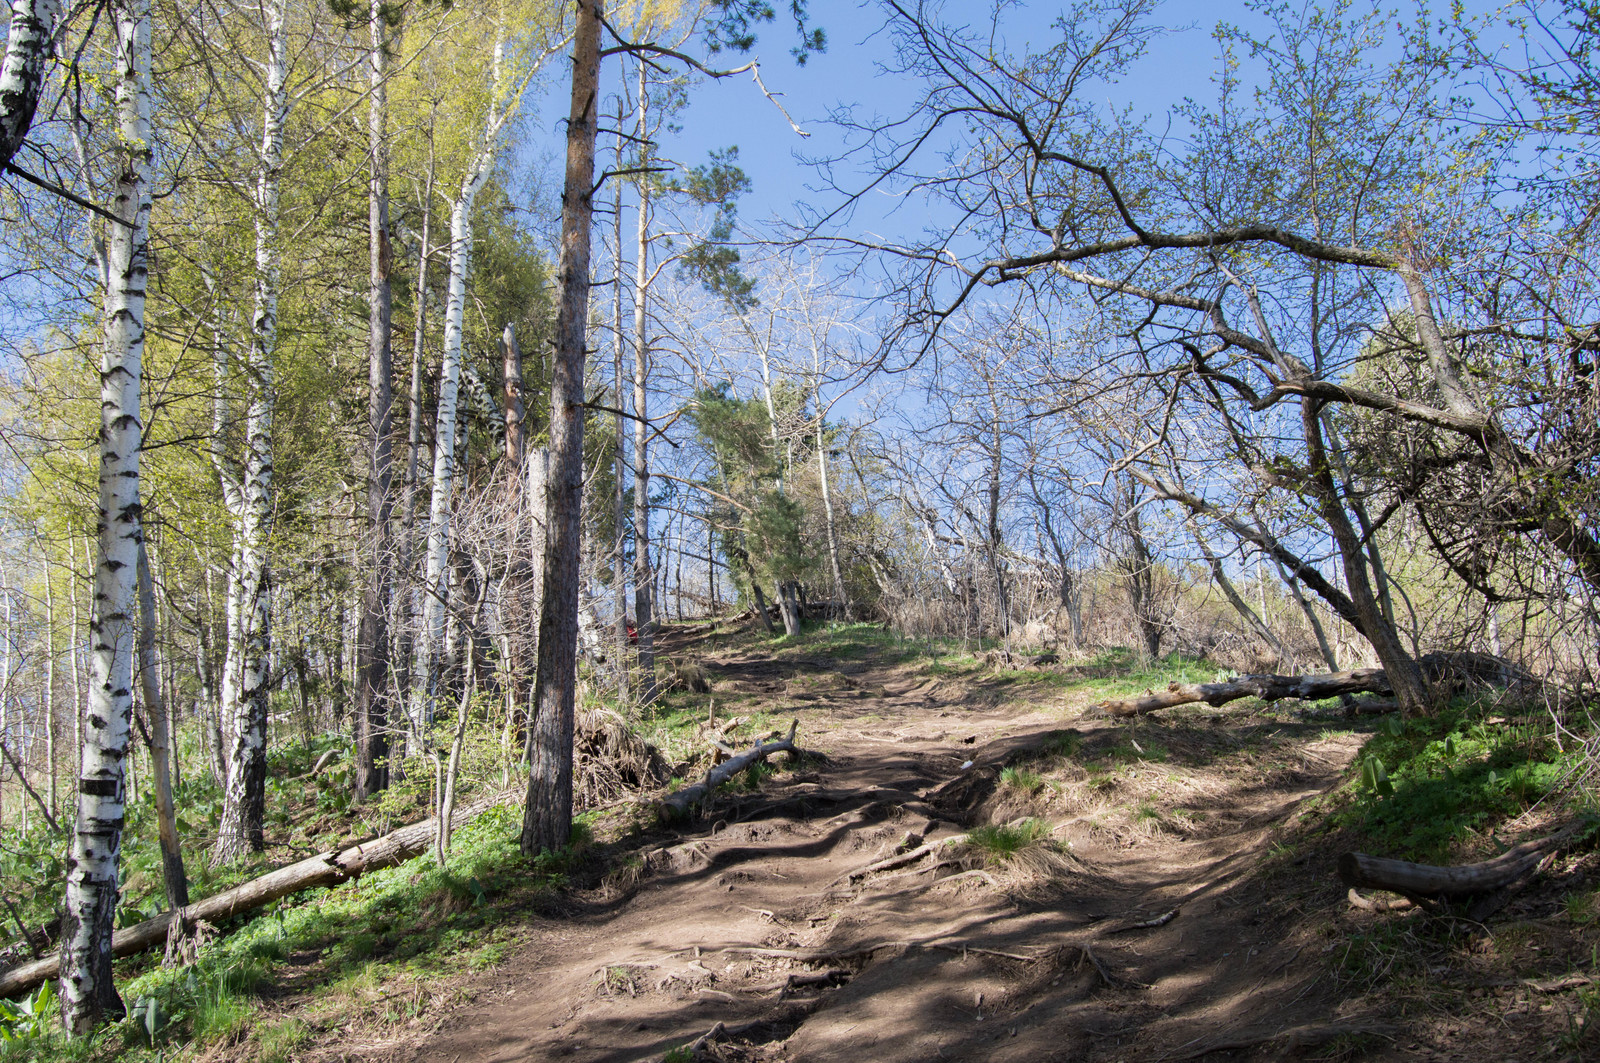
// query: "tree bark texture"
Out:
[247,678]
[1265,687]
[1358,870]
[372,642]
[678,805]
[547,816]
[1444,670]
[87,992]
[23,70]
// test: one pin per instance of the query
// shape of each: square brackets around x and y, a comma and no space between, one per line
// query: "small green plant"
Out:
[1022,780]
[1374,778]
[35,1017]
[680,1054]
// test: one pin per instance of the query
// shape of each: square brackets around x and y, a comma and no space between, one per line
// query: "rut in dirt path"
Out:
[753,920]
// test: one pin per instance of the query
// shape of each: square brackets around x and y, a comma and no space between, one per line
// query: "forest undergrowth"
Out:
[400,949]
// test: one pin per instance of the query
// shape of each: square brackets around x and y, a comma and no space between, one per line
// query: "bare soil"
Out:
[754,926]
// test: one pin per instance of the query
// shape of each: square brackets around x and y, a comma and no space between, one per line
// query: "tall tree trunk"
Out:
[619,567]
[155,706]
[643,573]
[22,73]
[993,542]
[408,514]
[372,643]
[547,815]
[87,992]
[244,799]
[436,575]
[50,681]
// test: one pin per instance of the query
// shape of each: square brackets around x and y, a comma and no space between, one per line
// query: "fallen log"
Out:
[676,806]
[1265,687]
[324,869]
[1443,669]
[1360,871]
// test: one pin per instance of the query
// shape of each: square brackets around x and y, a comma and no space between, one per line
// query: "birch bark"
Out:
[244,798]
[87,993]
[643,574]
[23,70]
[436,575]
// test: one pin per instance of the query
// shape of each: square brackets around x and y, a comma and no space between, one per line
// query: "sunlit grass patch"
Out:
[1022,781]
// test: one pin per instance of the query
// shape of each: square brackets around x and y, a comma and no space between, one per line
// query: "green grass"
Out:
[1428,783]
[416,922]
[1022,780]
[1063,743]
[1000,843]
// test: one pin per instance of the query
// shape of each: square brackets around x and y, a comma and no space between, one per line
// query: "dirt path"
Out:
[752,920]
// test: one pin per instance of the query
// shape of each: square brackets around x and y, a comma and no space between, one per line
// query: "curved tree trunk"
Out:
[87,992]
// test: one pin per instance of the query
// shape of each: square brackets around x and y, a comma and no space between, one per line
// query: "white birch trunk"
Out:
[436,572]
[643,574]
[87,992]
[23,70]
[240,830]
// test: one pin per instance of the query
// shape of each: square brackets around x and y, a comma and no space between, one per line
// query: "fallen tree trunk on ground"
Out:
[324,869]
[676,806]
[1441,669]
[1265,687]
[1360,871]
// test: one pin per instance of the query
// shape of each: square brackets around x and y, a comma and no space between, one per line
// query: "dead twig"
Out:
[1149,924]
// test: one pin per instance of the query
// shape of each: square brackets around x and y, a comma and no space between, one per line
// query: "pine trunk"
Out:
[547,815]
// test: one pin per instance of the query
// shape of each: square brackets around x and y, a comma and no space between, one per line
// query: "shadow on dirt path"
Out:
[756,926]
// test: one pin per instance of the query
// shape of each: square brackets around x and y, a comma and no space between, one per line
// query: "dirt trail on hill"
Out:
[751,919]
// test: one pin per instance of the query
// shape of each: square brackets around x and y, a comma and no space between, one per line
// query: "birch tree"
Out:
[22,74]
[508,77]
[87,992]
[245,677]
